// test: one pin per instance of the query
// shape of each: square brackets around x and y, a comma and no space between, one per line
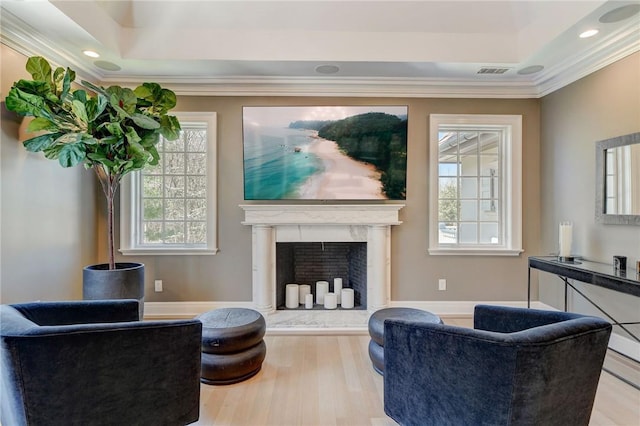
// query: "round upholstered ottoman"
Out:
[376,329]
[232,345]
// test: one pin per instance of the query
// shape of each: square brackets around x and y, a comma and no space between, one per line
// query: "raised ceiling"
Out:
[379,48]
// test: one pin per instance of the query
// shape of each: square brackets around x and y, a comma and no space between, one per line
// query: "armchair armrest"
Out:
[504,319]
[79,312]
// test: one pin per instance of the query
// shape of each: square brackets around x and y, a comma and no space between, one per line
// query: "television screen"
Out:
[325,153]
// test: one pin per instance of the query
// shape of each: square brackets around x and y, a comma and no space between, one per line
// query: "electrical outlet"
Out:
[442,284]
[158,285]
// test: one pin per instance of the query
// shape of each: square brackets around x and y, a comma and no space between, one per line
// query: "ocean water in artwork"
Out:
[277,162]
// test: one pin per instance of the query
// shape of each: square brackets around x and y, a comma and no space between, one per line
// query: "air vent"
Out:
[490,70]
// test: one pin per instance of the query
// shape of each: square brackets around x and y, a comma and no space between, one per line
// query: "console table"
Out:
[594,273]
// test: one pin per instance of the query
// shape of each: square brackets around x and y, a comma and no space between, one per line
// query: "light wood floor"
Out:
[328,380]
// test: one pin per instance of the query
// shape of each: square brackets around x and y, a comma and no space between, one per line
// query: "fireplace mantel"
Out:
[322,214]
[370,223]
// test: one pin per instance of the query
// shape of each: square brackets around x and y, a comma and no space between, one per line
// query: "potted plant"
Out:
[112,130]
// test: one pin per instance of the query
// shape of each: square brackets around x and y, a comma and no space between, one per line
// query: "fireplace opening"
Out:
[309,262]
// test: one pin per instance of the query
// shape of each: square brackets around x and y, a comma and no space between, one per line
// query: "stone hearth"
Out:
[321,223]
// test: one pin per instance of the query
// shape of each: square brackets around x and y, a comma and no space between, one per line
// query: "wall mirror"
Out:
[618,180]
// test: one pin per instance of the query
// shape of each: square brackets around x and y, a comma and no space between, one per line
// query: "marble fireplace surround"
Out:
[370,223]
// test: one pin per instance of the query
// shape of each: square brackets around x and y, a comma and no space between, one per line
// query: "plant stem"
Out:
[109,185]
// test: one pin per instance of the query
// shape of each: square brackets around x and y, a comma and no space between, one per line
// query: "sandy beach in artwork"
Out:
[342,178]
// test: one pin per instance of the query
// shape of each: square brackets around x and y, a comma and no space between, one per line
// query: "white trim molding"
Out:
[165,310]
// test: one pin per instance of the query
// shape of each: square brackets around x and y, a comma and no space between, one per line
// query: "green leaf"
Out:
[162,100]
[155,157]
[170,127]
[80,95]
[137,150]
[41,123]
[80,111]
[27,104]
[95,107]
[100,158]
[114,129]
[40,143]
[122,100]
[52,152]
[69,77]
[71,154]
[144,121]
[132,136]
[39,69]
[96,89]
[70,138]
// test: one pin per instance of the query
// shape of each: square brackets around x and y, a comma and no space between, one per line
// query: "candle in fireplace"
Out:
[322,288]
[304,289]
[291,297]
[337,289]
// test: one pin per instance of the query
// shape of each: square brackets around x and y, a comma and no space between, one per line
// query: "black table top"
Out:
[595,273]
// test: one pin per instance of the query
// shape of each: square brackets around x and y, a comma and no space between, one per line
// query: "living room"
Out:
[53,221]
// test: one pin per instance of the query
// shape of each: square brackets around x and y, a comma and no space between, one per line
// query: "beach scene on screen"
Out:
[325,153]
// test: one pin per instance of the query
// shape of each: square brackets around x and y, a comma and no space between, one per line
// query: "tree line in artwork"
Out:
[374,137]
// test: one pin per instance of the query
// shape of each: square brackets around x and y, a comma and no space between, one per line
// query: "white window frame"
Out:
[130,197]
[511,207]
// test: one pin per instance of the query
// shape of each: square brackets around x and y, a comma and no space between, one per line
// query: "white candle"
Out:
[330,301]
[308,301]
[565,233]
[304,289]
[291,297]
[347,298]
[322,288]
[337,288]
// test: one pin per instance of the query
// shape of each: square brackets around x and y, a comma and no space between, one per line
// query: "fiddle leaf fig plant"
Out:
[112,130]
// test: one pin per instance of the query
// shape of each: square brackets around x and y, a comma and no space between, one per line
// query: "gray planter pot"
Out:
[124,282]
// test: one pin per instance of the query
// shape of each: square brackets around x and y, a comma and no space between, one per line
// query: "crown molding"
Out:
[28,41]
[617,45]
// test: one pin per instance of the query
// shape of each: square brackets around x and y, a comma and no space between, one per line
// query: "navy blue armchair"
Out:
[95,363]
[516,367]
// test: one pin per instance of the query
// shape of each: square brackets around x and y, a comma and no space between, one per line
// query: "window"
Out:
[170,208]
[475,185]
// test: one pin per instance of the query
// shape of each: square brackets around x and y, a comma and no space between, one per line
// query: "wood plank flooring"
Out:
[328,381]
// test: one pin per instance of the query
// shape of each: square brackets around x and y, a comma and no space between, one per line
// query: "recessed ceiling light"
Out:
[327,69]
[588,33]
[620,14]
[531,69]
[91,53]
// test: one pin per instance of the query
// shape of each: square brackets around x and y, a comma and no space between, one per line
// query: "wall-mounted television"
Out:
[325,152]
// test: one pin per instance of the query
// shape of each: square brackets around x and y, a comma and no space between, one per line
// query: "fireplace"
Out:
[321,224]
[309,262]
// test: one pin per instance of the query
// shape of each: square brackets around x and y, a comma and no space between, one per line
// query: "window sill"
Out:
[474,252]
[169,251]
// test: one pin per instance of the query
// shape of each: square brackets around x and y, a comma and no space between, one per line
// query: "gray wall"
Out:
[600,106]
[47,213]
[227,275]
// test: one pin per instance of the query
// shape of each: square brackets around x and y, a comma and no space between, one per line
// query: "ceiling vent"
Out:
[492,70]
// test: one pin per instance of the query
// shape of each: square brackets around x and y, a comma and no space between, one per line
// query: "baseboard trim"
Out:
[161,310]
[460,308]
[155,310]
